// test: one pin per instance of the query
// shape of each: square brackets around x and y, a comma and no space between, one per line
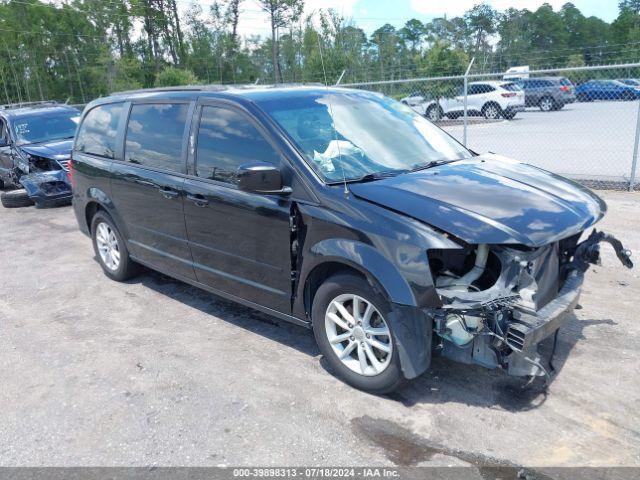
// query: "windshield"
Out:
[38,128]
[358,133]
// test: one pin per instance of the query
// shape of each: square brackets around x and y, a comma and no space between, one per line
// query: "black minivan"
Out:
[340,210]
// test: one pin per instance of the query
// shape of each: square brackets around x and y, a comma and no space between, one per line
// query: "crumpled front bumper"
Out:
[47,189]
[527,330]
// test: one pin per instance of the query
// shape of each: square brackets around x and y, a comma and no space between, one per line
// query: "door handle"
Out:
[168,192]
[198,199]
[144,182]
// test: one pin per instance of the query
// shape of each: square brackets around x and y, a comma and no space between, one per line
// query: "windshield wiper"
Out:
[431,164]
[369,177]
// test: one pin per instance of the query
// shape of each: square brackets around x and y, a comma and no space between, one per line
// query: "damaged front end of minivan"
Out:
[500,301]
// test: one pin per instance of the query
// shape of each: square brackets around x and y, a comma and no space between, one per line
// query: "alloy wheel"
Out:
[491,112]
[434,114]
[108,246]
[546,104]
[358,334]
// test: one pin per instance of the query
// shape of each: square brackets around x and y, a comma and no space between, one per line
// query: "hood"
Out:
[57,149]
[489,199]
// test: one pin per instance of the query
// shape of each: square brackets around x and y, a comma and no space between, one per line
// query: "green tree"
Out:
[281,13]
[172,76]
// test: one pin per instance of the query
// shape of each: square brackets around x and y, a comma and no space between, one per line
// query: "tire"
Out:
[509,115]
[492,111]
[383,376]
[110,249]
[15,199]
[434,113]
[546,104]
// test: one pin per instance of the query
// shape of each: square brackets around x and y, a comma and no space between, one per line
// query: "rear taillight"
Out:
[508,94]
[70,173]
[564,88]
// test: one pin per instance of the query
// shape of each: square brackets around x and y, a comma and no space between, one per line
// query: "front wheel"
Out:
[111,249]
[434,113]
[352,328]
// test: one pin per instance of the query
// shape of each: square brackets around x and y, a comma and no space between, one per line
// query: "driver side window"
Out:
[226,140]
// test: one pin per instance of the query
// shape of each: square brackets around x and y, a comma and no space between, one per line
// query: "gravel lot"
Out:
[583,140]
[155,372]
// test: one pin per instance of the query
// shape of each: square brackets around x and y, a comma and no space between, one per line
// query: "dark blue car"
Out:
[606,90]
[35,148]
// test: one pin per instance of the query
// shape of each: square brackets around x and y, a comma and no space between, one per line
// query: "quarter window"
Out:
[97,134]
[226,140]
[154,135]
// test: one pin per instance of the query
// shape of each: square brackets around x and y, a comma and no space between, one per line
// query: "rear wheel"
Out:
[547,104]
[111,249]
[352,328]
[16,199]
[491,111]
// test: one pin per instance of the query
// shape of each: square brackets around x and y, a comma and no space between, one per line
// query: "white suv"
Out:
[493,100]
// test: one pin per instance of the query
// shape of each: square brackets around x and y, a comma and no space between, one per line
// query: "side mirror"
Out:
[261,177]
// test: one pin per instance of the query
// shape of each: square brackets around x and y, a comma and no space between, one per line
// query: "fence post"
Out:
[634,162]
[466,84]
[340,78]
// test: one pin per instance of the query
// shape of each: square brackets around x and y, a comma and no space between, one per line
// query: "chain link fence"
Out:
[579,122]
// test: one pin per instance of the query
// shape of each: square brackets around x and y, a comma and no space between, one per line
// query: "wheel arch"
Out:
[490,102]
[333,256]
[98,200]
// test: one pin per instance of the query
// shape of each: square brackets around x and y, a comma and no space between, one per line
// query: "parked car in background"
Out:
[606,90]
[35,148]
[418,101]
[491,99]
[633,82]
[547,93]
[343,211]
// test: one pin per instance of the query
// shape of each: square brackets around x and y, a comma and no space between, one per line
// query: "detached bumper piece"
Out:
[48,189]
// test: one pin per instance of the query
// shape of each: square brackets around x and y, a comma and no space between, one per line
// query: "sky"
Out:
[371,14]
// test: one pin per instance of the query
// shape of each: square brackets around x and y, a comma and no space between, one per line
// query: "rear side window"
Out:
[154,135]
[97,134]
[226,140]
[512,87]
[474,89]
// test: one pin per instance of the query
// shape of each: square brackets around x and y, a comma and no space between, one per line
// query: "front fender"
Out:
[412,329]
[367,260]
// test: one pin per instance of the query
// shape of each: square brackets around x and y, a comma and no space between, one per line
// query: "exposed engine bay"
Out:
[500,301]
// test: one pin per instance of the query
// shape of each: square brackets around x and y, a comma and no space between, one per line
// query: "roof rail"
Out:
[214,87]
[39,103]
